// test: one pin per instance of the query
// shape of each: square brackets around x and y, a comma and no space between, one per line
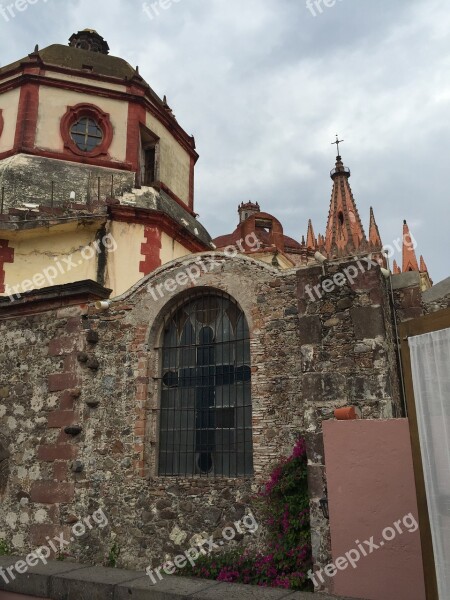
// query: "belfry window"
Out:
[87,134]
[206,409]
[148,172]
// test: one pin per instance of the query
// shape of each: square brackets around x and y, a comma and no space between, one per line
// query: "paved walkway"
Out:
[68,581]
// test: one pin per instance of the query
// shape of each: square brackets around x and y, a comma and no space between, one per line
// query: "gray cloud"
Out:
[264,86]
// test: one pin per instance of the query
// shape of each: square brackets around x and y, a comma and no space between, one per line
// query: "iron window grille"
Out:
[206,409]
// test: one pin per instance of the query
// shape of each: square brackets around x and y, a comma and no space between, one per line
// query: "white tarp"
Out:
[430,362]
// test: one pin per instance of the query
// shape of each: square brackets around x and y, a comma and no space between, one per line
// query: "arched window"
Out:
[206,408]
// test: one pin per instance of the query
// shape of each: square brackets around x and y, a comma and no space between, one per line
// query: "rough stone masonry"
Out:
[79,404]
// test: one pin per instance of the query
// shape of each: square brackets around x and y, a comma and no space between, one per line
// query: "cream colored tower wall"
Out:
[122,270]
[59,256]
[35,266]
[92,82]
[53,105]
[174,161]
[9,103]
[123,265]
[170,249]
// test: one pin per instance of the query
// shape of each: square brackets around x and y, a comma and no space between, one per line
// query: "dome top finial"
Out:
[89,39]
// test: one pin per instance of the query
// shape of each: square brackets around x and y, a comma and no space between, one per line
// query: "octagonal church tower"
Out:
[90,157]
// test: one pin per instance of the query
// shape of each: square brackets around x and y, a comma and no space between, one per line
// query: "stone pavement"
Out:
[69,581]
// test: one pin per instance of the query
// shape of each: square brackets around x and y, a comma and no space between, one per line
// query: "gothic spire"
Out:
[345,233]
[423,266]
[311,241]
[374,233]
[409,262]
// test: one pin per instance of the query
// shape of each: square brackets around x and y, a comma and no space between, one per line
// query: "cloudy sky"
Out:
[264,85]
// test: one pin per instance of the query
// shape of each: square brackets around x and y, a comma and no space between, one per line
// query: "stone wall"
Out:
[438,297]
[79,406]
[407,296]
[412,303]
[347,358]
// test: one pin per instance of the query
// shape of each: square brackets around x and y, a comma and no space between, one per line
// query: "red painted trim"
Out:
[2,122]
[151,250]
[136,118]
[73,114]
[97,162]
[27,117]
[143,95]
[6,256]
[191,183]
[142,216]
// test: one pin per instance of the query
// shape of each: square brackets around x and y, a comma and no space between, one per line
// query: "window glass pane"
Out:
[86,134]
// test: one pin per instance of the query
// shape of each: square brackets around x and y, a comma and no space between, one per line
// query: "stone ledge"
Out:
[404,280]
[69,581]
[437,292]
[53,297]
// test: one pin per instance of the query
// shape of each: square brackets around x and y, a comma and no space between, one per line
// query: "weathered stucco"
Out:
[174,160]
[29,179]
[10,107]
[45,255]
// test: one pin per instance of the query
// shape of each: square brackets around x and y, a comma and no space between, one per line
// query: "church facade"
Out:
[161,374]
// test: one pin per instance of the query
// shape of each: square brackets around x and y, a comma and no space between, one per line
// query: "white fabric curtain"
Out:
[430,361]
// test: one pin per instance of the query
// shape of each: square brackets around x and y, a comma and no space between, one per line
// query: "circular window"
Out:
[86,131]
[87,134]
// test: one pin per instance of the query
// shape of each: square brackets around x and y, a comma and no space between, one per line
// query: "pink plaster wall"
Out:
[370,487]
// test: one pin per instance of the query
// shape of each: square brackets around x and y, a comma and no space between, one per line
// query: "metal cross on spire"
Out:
[336,143]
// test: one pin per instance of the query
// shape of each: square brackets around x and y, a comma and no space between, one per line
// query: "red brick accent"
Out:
[49,492]
[51,452]
[61,381]
[27,117]
[73,324]
[6,256]
[40,532]
[70,363]
[60,470]
[140,466]
[66,401]
[61,418]
[151,250]
[61,346]
[142,216]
